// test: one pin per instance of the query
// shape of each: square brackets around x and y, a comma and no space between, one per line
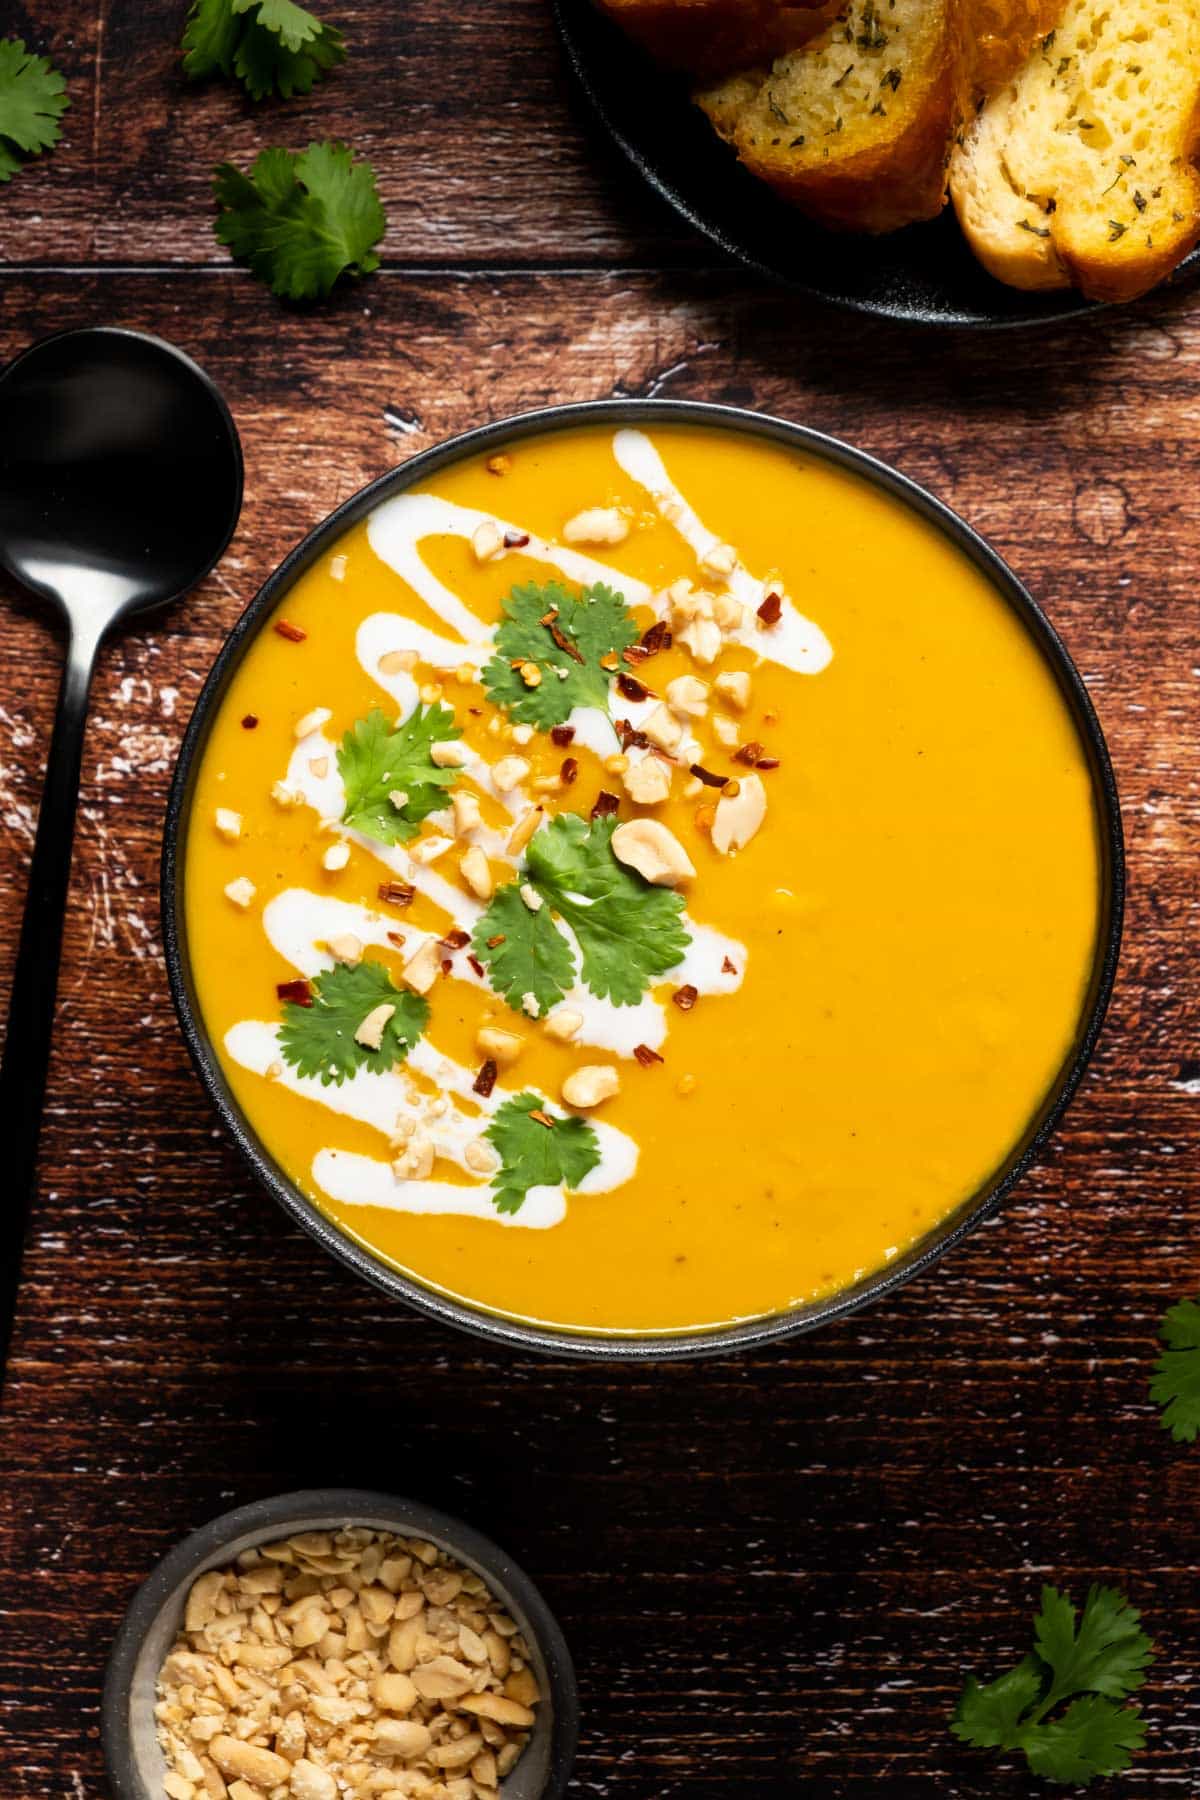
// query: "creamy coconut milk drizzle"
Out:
[299,922]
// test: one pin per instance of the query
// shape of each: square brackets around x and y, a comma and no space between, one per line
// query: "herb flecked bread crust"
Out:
[1080,169]
[856,128]
[1005,31]
[707,38]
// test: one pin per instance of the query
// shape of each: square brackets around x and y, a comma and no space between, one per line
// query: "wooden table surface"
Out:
[773,1571]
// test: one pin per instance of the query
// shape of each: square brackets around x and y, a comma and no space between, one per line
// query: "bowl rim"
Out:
[745,1334]
[350,1506]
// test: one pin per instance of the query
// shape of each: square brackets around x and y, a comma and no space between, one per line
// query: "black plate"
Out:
[925,274]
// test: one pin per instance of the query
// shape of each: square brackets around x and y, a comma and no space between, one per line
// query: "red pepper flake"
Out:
[494,942]
[294,634]
[569,771]
[396,893]
[631,739]
[634,654]
[707,776]
[455,940]
[657,637]
[749,753]
[606,805]
[771,610]
[564,642]
[632,689]
[646,1056]
[728,968]
[477,966]
[250,721]
[485,1081]
[767,762]
[515,540]
[543,1118]
[397,939]
[298,992]
[447,965]
[562,735]
[686,997]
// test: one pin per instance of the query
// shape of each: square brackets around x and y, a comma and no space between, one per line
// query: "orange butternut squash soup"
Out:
[642,880]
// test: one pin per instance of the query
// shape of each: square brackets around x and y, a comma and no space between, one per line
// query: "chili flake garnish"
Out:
[295,634]
[767,762]
[493,942]
[564,643]
[298,992]
[515,540]
[543,1118]
[686,997]
[771,610]
[485,1081]
[250,721]
[606,805]
[707,776]
[562,735]
[569,770]
[397,938]
[455,940]
[728,968]
[477,966]
[657,637]
[632,689]
[646,1056]
[396,893]
[631,738]
[749,753]
[447,965]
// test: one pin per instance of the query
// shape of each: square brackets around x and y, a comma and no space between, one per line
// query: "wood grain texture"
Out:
[774,1571]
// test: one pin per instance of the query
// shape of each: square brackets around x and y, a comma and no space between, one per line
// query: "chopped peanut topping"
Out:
[422,968]
[596,525]
[285,796]
[336,857]
[648,782]
[591,1085]
[725,732]
[451,755]
[562,1025]
[656,853]
[397,662]
[313,721]
[476,871]
[370,1032]
[509,773]
[719,559]
[739,815]
[687,695]
[530,897]
[663,729]
[703,638]
[735,688]
[228,823]
[346,948]
[503,1047]
[428,849]
[524,829]
[467,815]
[241,891]
[487,541]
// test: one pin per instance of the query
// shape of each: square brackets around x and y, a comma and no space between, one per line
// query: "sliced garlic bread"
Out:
[1005,32]
[1080,168]
[856,127]
[708,38]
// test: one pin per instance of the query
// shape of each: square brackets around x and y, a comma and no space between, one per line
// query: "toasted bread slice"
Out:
[856,128]
[1005,32]
[708,38]
[1080,168]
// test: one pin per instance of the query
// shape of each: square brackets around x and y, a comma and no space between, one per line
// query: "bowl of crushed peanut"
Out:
[339,1645]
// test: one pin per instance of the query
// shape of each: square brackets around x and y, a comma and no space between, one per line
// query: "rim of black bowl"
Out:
[617,1346]
[923,275]
[366,1506]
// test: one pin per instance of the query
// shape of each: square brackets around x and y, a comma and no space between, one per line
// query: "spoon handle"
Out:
[31,1009]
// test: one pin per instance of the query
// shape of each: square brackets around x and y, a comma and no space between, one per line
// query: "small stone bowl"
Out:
[135,1763]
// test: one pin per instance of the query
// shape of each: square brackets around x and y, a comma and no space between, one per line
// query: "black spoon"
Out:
[120,486]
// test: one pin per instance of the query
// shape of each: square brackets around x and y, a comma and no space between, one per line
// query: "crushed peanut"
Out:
[397,662]
[344,1666]
[487,541]
[336,857]
[596,525]
[313,721]
[241,891]
[228,823]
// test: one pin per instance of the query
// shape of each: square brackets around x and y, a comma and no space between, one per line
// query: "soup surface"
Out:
[450,1001]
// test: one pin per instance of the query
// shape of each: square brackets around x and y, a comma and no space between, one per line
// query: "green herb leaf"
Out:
[594,623]
[376,761]
[33,98]
[299,221]
[535,1155]
[533,958]
[628,931]
[319,1039]
[1093,1664]
[1176,1383]
[271,46]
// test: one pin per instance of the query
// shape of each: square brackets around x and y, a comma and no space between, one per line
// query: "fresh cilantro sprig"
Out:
[319,1039]
[628,931]
[564,636]
[270,46]
[1093,1665]
[533,1154]
[376,760]
[1176,1382]
[299,220]
[33,98]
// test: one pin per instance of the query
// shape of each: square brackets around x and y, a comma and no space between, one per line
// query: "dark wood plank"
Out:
[773,1571]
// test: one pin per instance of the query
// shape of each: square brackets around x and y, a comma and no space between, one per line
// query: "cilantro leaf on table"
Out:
[376,760]
[318,1039]
[533,957]
[1094,1664]
[628,931]
[1176,1383]
[299,220]
[33,98]
[593,624]
[270,46]
[536,1155]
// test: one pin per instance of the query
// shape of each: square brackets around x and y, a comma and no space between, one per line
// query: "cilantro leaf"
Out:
[1176,1383]
[376,761]
[534,956]
[628,931]
[535,1155]
[33,98]
[300,220]
[1094,1664]
[271,46]
[319,1039]
[595,623]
